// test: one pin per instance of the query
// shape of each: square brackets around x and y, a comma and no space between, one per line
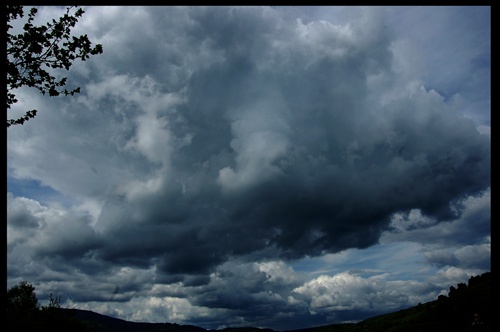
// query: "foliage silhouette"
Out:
[22,307]
[32,55]
[25,314]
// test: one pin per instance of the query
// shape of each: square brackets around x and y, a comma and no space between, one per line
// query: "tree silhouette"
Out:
[33,54]
[25,314]
[22,307]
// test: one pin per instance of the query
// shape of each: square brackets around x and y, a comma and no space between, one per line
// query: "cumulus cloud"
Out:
[52,231]
[345,292]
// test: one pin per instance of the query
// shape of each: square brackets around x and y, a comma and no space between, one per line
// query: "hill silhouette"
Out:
[101,323]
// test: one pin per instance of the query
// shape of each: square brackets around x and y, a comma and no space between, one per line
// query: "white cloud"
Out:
[345,291]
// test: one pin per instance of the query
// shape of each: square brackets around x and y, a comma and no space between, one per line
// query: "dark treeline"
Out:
[468,307]
[25,314]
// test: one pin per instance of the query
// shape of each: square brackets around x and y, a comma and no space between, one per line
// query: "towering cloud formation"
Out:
[288,139]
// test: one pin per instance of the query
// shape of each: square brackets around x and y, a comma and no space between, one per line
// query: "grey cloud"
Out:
[468,257]
[255,292]
[44,226]
[471,226]
[18,215]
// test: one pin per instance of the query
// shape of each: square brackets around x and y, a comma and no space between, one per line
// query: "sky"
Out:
[275,167]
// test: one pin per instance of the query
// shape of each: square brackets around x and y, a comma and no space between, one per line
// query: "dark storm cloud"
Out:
[283,148]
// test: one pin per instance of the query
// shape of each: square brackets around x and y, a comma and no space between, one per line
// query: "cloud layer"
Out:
[212,146]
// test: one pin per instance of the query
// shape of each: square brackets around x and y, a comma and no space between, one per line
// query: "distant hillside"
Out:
[102,323]
[466,308]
